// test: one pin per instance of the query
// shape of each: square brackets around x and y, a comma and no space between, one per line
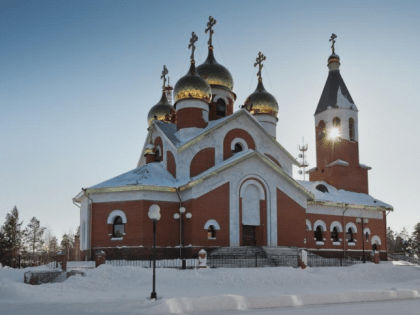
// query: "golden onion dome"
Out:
[261,102]
[334,58]
[162,111]
[192,86]
[214,73]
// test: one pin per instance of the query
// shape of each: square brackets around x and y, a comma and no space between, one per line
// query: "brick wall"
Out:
[170,163]
[212,109]
[139,229]
[376,226]
[291,221]
[213,205]
[190,117]
[232,134]
[202,161]
[352,177]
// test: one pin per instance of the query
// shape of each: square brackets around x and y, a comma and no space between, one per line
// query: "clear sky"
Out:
[77,79]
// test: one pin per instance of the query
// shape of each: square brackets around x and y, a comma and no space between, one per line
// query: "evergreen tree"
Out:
[5,253]
[33,235]
[67,244]
[416,240]
[12,231]
[390,240]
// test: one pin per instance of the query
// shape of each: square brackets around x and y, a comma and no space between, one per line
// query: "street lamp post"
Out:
[154,215]
[179,216]
[363,221]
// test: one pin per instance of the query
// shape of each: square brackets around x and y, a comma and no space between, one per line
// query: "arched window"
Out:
[318,233]
[351,129]
[334,235]
[220,108]
[336,122]
[321,130]
[237,148]
[349,235]
[211,232]
[322,188]
[157,154]
[118,228]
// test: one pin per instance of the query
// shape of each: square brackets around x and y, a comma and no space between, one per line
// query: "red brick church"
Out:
[234,180]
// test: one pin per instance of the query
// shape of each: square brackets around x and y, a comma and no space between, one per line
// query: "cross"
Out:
[258,62]
[332,39]
[163,76]
[193,39]
[210,24]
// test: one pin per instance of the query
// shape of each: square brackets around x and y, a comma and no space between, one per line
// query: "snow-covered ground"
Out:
[126,290]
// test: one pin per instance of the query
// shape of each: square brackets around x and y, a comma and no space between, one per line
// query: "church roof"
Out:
[335,196]
[152,174]
[335,94]
[170,131]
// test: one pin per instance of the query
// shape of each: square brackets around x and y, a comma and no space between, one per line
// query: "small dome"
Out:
[214,73]
[333,58]
[162,111]
[261,102]
[192,86]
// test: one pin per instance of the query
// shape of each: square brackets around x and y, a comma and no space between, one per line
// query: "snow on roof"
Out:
[343,101]
[152,174]
[338,162]
[365,166]
[341,196]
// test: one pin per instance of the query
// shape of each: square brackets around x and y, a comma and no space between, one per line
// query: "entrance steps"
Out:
[238,252]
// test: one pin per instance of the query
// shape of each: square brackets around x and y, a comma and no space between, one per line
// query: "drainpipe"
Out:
[180,229]
[344,232]
[90,223]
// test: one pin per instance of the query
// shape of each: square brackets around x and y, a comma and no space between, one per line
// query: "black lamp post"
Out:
[363,221]
[154,215]
[179,216]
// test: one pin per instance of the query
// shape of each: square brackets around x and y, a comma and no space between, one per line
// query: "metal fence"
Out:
[318,261]
[164,263]
[254,262]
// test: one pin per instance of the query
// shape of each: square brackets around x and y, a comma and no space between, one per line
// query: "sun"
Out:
[334,133]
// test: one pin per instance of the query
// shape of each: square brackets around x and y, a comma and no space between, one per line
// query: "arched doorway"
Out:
[253,214]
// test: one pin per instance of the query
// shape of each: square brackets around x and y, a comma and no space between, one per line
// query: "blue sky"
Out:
[79,77]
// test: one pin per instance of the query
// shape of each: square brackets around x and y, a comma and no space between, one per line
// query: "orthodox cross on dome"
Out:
[332,39]
[210,24]
[258,62]
[193,39]
[163,76]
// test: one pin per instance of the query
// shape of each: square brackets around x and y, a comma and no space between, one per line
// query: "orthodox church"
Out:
[221,179]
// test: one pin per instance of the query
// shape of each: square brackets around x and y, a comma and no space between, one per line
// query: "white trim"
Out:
[351,244]
[319,243]
[376,240]
[308,224]
[255,183]
[223,97]
[116,213]
[337,225]
[116,239]
[336,243]
[240,141]
[351,225]
[367,230]
[212,222]
[321,224]
[338,162]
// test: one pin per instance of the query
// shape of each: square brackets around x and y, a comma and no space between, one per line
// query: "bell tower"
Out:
[337,136]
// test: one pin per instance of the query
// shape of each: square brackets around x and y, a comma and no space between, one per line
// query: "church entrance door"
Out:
[248,235]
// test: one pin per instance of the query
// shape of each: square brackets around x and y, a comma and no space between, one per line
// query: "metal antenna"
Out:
[302,156]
